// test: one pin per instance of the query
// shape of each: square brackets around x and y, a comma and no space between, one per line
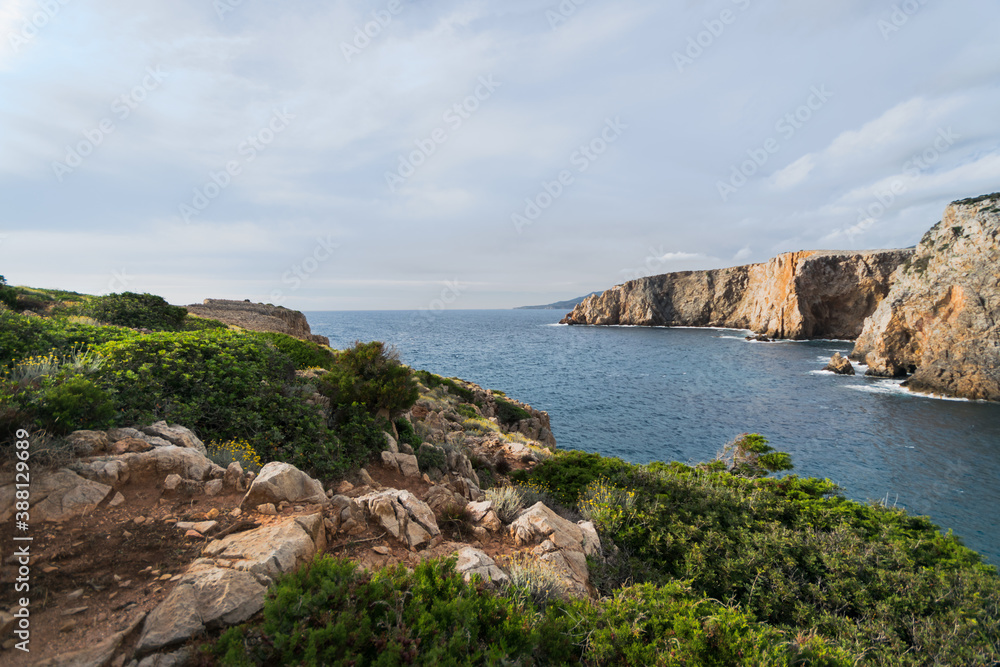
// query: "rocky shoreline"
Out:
[796,295]
[930,313]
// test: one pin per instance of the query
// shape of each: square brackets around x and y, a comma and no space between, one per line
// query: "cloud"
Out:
[794,173]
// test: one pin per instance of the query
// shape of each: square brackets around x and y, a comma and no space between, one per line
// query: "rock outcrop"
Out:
[258,317]
[840,365]
[797,295]
[940,319]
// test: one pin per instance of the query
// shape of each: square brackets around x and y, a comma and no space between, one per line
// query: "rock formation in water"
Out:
[940,319]
[258,317]
[798,295]
[840,365]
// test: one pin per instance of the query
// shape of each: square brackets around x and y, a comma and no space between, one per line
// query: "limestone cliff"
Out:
[798,295]
[258,317]
[939,320]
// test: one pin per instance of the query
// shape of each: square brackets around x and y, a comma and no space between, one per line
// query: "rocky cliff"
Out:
[798,295]
[258,317]
[939,320]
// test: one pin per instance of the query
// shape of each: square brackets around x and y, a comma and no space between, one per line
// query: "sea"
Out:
[680,394]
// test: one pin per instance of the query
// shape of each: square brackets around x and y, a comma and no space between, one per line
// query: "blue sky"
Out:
[485,154]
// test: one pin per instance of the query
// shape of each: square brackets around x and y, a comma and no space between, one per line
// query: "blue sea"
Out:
[680,394]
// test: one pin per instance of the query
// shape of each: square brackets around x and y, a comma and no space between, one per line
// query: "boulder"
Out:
[467,489]
[391,443]
[472,562]
[56,496]
[175,435]
[563,545]
[840,365]
[88,443]
[109,471]
[459,463]
[116,434]
[439,497]
[173,622]
[402,515]
[273,549]
[153,466]
[406,464]
[130,445]
[279,482]
[233,479]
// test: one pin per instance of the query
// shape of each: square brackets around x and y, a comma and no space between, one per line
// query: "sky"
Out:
[398,154]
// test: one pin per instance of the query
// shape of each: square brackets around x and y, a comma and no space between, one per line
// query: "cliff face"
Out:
[940,319]
[798,295]
[258,317]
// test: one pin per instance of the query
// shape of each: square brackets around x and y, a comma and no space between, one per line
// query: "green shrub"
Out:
[137,311]
[76,403]
[222,384]
[568,473]
[794,554]
[372,375]
[749,455]
[330,613]
[8,295]
[22,337]
[406,433]
[234,451]
[303,353]
[430,458]
[466,410]
[431,381]
[509,414]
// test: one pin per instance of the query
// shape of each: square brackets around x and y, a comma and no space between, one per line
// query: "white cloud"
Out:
[794,173]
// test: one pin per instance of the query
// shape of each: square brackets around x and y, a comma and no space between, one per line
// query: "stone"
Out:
[382,551]
[939,321]
[56,496]
[440,497]
[176,435]
[366,479]
[267,509]
[467,489]
[202,527]
[797,295]
[116,434]
[110,471]
[213,487]
[480,509]
[232,480]
[391,443]
[272,549]
[173,621]
[472,562]
[179,658]
[153,466]
[563,545]
[402,515]
[130,445]
[344,487]
[88,443]
[279,482]
[491,522]
[408,465]
[840,365]
[389,461]
[175,485]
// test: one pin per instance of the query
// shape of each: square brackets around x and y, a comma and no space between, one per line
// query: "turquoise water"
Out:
[680,394]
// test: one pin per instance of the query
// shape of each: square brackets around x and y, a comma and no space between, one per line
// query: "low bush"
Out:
[430,458]
[431,381]
[8,295]
[303,353]
[509,414]
[372,375]
[136,311]
[235,451]
[507,502]
[72,404]
[330,613]
[406,433]
[23,337]
[466,410]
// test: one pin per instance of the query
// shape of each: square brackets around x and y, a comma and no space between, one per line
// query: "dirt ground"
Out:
[92,577]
